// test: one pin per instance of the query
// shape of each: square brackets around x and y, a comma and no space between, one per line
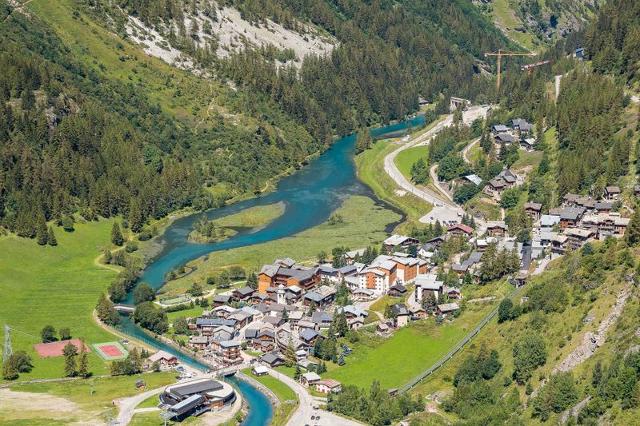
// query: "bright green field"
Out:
[57,286]
[405,159]
[411,350]
[354,232]
[370,167]
[506,19]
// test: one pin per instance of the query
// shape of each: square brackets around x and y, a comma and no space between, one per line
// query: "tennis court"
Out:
[110,351]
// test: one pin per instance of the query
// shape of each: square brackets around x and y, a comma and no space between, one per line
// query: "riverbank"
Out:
[349,230]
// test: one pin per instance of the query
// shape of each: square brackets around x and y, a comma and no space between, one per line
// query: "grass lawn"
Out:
[354,233]
[481,204]
[370,167]
[187,313]
[42,285]
[286,395]
[405,159]
[381,304]
[527,159]
[408,352]
[287,371]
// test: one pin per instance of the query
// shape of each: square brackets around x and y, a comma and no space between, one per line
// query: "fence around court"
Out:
[466,339]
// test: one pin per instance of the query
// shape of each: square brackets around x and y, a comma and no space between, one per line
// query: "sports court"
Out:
[46,350]
[110,351]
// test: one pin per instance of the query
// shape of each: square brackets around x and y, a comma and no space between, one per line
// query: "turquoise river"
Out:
[310,195]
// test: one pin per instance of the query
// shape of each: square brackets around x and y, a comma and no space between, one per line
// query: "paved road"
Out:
[443,205]
[302,415]
[128,405]
[426,194]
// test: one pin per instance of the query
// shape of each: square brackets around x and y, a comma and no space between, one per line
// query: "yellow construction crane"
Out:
[500,54]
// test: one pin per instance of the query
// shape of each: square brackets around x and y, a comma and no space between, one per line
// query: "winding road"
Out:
[305,410]
[443,205]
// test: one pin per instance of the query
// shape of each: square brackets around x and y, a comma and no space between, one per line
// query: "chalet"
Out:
[432,245]
[522,126]
[495,187]
[352,311]
[308,336]
[504,139]
[309,379]
[321,319]
[453,292]
[198,342]
[397,290]
[559,243]
[259,370]
[320,297]
[606,224]
[612,192]
[362,294]
[533,210]
[460,230]
[499,128]
[220,299]
[329,273]
[398,241]
[577,237]
[222,311]
[603,207]
[282,272]
[164,359]
[447,308]
[243,293]
[351,256]
[548,221]
[418,313]
[355,323]
[528,144]
[307,323]
[328,386]
[468,264]
[496,228]
[400,314]
[425,283]
[207,326]
[570,216]
[272,359]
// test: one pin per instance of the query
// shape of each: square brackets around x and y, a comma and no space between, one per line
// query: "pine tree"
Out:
[136,218]
[633,230]
[51,237]
[41,232]
[83,362]
[116,235]
[70,353]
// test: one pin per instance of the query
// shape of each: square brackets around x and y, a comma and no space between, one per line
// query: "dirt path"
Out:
[28,406]
[592,341]
[465,151]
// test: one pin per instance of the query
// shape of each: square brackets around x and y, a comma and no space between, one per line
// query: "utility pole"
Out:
[8,350]
[499,54]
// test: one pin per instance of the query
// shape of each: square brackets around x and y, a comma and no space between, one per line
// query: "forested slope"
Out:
[94,125]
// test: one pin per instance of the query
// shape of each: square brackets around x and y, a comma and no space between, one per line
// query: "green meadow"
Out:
[405,159]
[58,286]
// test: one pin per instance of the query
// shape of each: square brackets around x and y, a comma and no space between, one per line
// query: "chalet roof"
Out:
[571,213]
[396,240]
[464,228]
[271,358]
[505,137]
[320,317]
[533,206]
[244,291]
[612,189]
[500,128]
[308,334]
[547,220]
[428,282]
[496,224]
[287,262]
[400,309]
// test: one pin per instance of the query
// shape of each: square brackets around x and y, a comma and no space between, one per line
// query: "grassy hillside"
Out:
[56,286]
[578,297]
